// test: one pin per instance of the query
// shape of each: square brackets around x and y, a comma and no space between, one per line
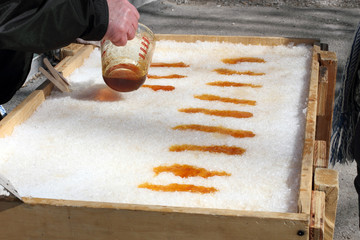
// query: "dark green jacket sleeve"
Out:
[36,26]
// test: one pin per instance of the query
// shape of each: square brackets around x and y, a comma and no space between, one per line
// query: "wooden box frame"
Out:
[51,219]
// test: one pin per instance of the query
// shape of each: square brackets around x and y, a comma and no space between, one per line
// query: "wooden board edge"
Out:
[317,220]
[320,155]
[322,91]
[70,50]
[157,208]
[251,40]
[327,180]
[328,60]
[143,224]
[306,177]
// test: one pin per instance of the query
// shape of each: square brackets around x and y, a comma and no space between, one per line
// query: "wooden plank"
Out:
[306,178]
[322,91]
[137,207]
[70,50]
[327,180]
[62,63]
[251,40]
[317,217]
[324,122]
[320,157]
[75,61]
[132,222]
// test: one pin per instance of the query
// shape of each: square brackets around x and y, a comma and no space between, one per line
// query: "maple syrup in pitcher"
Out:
[125,78]
[125,68]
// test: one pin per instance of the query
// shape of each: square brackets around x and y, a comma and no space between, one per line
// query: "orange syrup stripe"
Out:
[219,113]
[176,65]
[186,171]
[242,59]
[225,71]
[214,129]
[167,76]
[232,84]
[175,187]
[159,87]
[229,150]
[209,97]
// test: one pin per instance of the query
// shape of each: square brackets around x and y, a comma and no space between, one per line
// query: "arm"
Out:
[43,25]
[39,26]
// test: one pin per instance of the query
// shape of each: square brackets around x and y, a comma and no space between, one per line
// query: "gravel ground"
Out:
[279,3]
[346,225]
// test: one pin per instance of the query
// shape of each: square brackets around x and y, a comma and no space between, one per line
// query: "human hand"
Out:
[123,22]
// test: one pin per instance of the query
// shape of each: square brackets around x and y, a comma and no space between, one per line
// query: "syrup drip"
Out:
[224,71]
[186,171]
[167,76]
[229,150]
[160,87]
[220,113]
[213,129]
[175,187]
[176,65]
[208,97]
[243,59]
[232,84]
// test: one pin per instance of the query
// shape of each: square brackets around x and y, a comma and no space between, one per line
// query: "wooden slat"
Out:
[68,66]
[320,160]
[328,60]
[135,222]
[322,91]
[251,40]
[61,64]
[317,216]
[327,180]
[304,201]
[70,50]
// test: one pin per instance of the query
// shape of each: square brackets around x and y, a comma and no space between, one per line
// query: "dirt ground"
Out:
[279,3]
[346,226]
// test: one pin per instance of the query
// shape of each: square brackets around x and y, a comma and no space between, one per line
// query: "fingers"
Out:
[134,10]
[123,22]
[131,32]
